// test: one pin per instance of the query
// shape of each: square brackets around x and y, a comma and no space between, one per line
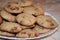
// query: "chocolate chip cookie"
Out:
[39,10]
[40,30]
[7,16]
[26,19]
[25,3]
[10,27]
[13,7]
[26,33]
[46,21]
[34,10]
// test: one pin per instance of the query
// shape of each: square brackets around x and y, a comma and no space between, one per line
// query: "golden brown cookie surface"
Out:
[24,3]
[39,10]
[28,33]
[6,34]
[7,16]
[10,27]
[29,10]
[13,8]
[26,19]
[46,21]
[34,10]
[40,30]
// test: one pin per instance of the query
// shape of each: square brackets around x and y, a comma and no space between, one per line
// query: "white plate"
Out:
[40,36]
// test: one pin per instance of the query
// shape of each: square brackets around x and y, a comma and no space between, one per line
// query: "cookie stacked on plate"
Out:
[23,19]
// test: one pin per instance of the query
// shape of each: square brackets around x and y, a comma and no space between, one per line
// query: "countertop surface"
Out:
[52,7]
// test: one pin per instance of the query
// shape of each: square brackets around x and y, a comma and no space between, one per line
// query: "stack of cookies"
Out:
[23,19]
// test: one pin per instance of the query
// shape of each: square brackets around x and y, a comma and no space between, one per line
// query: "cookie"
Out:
[26,19]
[34,10]
[1,20]
[39,10]
[46,21]
[29,10]
[25,3]
[13,7]
[26,33]
[40,30]
[7,16]
[10,27]
[6,34]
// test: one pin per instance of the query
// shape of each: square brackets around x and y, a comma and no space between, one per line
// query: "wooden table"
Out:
[52,7]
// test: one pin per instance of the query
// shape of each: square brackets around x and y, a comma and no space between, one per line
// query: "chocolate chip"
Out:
[13,29]
[48,20]
[12,8]
[52,24]
[29,35]
[42,23]
[17,8]
[8,5]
